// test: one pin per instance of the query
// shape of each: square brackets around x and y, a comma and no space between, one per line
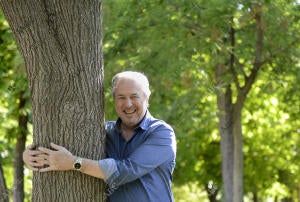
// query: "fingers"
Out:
[35,162]
[46,169]
[32,168]
[34,152]
[56,147]
[45,150]
[42,159]
[49,151]
[34,159]
[56,158]
[38,164]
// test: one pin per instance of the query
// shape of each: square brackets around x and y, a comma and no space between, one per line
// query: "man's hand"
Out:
[34,159]
[59,159]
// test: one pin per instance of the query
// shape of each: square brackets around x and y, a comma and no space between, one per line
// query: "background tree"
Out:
[61,46]
[15,99]
[240,57]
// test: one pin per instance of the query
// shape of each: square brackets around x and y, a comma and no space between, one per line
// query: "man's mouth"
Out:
[129,111]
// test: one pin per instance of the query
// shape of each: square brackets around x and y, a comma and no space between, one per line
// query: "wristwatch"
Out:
[77,163]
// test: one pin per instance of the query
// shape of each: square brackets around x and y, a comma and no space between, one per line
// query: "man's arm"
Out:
[158,149]
[59,159]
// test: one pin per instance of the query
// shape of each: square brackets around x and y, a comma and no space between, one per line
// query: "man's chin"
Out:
[130,122]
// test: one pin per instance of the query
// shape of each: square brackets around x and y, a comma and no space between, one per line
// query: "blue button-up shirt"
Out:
[140,169]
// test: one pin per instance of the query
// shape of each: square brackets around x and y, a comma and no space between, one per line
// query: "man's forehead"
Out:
[128,91]
[128,88]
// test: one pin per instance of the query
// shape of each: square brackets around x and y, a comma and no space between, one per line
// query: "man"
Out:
[141,150]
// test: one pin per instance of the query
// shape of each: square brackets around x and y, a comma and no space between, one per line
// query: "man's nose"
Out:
[128,102]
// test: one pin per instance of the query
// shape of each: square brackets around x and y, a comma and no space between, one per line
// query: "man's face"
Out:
[130,102]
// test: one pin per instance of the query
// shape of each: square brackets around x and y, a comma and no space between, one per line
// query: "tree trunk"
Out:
[224,101]
[238,170]
[3,188]
[18,188]
[230,127]
[61,45]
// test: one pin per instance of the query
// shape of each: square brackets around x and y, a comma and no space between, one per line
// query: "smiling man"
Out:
[141,150]
[131,95]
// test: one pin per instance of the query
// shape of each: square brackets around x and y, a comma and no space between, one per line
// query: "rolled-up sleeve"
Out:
[108,167]
[158,148]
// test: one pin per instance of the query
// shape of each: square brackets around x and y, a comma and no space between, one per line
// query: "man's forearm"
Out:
[91,167]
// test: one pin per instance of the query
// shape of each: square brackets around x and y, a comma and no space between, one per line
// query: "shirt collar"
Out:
[146,121]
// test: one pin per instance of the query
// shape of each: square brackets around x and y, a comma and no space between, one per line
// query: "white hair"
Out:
[136,76]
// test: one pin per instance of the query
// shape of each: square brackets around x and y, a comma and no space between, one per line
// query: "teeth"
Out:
[129,112]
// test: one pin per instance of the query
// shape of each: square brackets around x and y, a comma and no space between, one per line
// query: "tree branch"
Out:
[280,51]
[232,57]
[258,52]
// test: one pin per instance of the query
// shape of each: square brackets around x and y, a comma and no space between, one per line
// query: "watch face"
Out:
[77,166]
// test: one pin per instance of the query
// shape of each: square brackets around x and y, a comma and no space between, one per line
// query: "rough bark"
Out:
[61,45]
[3,188]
